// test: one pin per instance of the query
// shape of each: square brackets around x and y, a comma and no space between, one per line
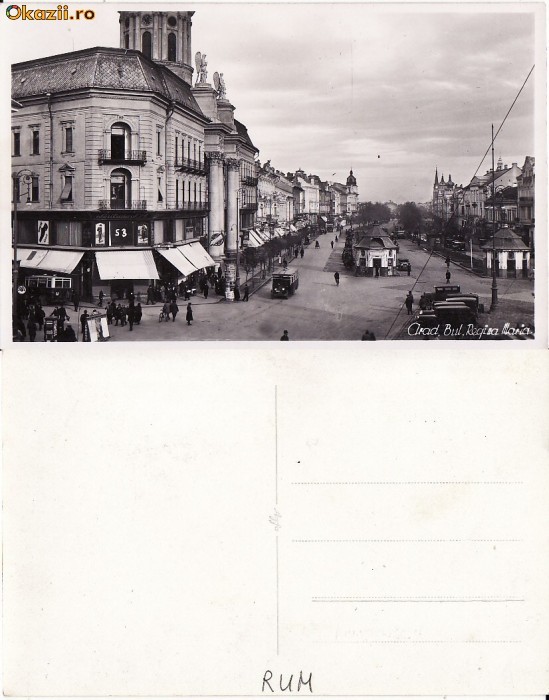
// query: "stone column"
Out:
[215,195]
[232,242]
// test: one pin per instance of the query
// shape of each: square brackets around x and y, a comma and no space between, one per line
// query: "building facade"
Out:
[117,160]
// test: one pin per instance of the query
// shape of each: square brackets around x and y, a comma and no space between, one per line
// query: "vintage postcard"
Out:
[348,172]
[252,519]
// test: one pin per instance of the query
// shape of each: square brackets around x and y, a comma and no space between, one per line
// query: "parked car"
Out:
[403,265]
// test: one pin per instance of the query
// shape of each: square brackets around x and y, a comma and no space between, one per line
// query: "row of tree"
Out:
[262,258]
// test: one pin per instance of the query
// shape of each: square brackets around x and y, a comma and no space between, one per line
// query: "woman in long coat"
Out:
[189,315]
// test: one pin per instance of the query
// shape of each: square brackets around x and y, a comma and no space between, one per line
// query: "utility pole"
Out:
[494,271]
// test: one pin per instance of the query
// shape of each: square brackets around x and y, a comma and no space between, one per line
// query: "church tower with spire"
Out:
[164,37]
[352,194]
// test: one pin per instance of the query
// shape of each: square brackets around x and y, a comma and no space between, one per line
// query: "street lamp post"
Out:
[494,276]
[26,175]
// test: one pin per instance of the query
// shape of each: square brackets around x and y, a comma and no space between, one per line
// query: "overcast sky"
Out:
[390,90]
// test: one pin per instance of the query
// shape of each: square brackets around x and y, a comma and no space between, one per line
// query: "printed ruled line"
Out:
[415,599]
[276,442]
[399,540]
[407,483]
[420,641]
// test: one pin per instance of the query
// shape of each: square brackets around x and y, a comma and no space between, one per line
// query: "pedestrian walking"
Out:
[285,336]
[409,302]
[296,252]
[368,335]
[69,336]
[123,316]
[101,295]
[409,269]
[336,239]
[284,263]
[174,308]
[131,316]
[246,292]
[236,293]
[31,327]
[40,316]
[448,261]
[138,314]
[206,290]
[84,321]
[189,315]
[150,295]
[448,276]
[75,300]
[302,252]
[336,277]
[332,244]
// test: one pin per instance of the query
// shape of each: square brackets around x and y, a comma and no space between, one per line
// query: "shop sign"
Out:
[121,233]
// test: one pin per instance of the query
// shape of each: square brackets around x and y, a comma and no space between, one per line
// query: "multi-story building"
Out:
[311,195]
[526,193]
[444,197]
[124,165]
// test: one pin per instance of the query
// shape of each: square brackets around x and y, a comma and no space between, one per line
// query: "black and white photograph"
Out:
[346,172]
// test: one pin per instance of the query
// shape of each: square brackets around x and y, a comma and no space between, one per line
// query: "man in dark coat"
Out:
[189,315]
[206,289]
[174,308]
[285,336]
[131,315]
[448,275]
[138,314]
[83,321]
[246,292]
[336,277]
[31,326]
[76,300]
[409,302]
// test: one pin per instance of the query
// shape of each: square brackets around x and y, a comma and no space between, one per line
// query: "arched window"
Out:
[172,47]
[121,137]
[121,189]
[146,43]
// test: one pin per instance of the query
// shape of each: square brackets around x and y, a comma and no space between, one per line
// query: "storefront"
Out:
[119,272]
[512,254]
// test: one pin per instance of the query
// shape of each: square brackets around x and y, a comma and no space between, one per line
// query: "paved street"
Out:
[320,310]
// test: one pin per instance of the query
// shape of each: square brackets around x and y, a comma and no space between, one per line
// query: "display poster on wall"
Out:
[142,234]
[44,232]
[100,236]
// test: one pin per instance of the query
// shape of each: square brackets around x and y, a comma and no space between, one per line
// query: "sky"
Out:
[391,91]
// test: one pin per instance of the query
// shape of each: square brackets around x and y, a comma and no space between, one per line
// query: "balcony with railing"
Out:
[139,204]
[122,158]
[202,206]
[249,180]
[248,206]
[188,165]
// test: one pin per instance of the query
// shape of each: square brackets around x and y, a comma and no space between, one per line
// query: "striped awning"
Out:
[126,265]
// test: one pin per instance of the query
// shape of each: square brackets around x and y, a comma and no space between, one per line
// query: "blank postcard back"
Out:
[295,522]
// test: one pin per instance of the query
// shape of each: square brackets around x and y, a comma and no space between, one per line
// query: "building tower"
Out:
[352,194]
[164,37]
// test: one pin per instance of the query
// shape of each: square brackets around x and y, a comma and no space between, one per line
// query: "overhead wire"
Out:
[462,192]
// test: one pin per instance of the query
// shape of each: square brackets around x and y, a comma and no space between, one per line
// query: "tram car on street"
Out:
[55,289]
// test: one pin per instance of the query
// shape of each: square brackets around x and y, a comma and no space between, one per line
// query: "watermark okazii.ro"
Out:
[59,14]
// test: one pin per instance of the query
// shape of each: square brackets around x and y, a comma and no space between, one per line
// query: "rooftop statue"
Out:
[201,68]
[219,84]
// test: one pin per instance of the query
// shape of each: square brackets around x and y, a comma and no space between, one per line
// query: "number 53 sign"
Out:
[121,233]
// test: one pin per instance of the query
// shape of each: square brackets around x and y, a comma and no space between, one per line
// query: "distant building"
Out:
[526,193]
[375,254]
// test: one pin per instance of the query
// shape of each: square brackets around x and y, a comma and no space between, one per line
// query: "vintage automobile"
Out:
[284,283]
[403,265]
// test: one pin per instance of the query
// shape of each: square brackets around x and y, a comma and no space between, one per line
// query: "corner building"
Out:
[119,169]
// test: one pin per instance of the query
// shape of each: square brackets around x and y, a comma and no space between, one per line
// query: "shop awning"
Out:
[253,240]
[126,265]
[178,260]
[52,260]
[324,218]
[196,255]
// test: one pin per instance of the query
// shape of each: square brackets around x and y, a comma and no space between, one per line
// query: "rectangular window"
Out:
[69,233]
[176,148]
[35,189]
[160,197]
[68,140]
[35,142]
[16,143]
[66,194]
[158,143]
